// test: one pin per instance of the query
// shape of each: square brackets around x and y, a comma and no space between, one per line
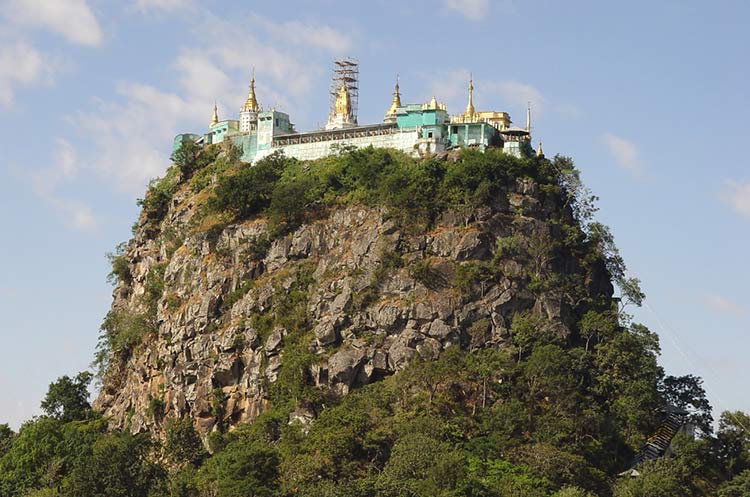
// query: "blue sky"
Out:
[649,98]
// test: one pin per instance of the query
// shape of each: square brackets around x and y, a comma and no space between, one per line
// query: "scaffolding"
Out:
[345,72]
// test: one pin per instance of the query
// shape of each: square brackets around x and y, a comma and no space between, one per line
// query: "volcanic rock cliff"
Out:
[340,300]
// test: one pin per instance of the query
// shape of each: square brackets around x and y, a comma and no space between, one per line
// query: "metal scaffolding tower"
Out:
[345,72]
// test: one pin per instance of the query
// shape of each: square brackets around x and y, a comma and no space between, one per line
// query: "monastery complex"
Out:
[416,129]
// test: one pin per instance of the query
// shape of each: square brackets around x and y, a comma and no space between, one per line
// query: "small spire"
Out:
[539,151]
[433,103]
[396,103]
[215,118]
[251,104]
[528,117]
[470,105]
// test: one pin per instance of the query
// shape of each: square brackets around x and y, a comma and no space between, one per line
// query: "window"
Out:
[277,122]
[429,134]
[455,130]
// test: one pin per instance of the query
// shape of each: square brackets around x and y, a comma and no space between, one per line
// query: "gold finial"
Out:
[215,118]
[396,103]
[539,151]
[433,103]
[343,102]
[251,104]
[470,105]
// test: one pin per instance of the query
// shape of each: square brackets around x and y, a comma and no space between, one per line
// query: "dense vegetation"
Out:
[551,416]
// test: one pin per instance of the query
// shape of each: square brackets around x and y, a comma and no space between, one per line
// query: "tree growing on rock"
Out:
[67,398]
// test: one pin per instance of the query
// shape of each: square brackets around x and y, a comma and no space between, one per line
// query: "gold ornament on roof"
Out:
[470,105]
[251,104]
[396,103]
[215,117]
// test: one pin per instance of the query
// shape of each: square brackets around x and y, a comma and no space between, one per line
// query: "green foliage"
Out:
[626,371]
[156,408]
[733,438]
[242,468]
[67,398]
[6,438]
[415,192]
[423,272]
[258,248]
[601,237]
[529,329]
[156,202]
[116,465]
[422,466]
[154,288]
[186,156]
[573,492]
[121,332]
[249,191]
[497,477]
[120,267]
[687,392]
[182,444]
[191,157]
[44,453]
[739,486]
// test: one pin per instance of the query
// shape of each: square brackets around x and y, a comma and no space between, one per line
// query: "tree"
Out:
[67,398]
[602,238]
[44,451]
[186,157]
[183,445]
[687,392]
[739,486]
[242,469]
[573,492]
[6,438]
[249,191]
[659,478]
[421,466]
[733,438]
[117,465]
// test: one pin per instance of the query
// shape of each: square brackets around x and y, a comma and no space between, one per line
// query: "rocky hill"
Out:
[348,297]
[373,325]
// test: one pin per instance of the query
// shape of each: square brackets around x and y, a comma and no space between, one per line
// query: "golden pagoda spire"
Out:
[251,104]
[470,105]
[215,118]
[539,151]
[433,103]
[343,105]
[396,103]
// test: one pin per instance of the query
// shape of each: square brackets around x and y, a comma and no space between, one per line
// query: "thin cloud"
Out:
[624,152]
[723,305]
[737,196]
[72,19]
[73,213]
[22,65]
[516,93]
[163,5]
[473,10]
[306,33]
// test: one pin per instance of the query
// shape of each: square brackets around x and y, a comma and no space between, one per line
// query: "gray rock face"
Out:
[231,319]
